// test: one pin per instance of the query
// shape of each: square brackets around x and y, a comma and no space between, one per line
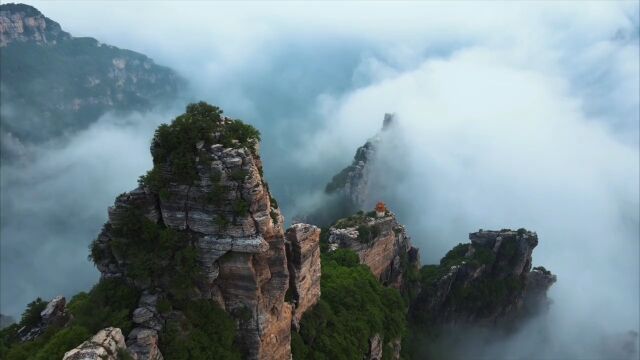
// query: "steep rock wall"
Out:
[387,248]
[21,23]
[483,282]
[303,253]
[228,216]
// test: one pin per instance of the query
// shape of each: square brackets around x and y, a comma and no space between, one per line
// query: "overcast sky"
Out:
[512,115]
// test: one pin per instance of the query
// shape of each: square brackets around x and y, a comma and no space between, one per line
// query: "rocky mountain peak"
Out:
[485,281]
[207,197]
[24,23]
[389,120]
[353,181]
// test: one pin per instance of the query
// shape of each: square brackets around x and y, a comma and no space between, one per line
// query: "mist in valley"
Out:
[508,116]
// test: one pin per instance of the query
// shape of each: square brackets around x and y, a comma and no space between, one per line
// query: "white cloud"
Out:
[492,142]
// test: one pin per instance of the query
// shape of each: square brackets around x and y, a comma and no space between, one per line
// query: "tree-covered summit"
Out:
[176,146]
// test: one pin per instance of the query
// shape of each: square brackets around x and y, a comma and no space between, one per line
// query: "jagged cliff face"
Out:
[55,314]
[486,281]
[53,83]
[303,257]
[353,182]
[107,344]
[21,23]
[237,233]
[380,242]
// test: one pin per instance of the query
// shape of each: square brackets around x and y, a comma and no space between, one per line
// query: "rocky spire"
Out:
[303,257]
[353,181]
[222,208]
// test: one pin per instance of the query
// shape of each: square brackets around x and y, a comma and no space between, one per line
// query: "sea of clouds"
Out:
[509,115]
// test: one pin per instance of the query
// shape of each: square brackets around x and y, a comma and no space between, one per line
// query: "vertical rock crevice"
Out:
[303,258]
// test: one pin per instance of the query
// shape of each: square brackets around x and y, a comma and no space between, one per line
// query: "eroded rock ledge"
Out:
[485,281]
[107,344]
[380,242]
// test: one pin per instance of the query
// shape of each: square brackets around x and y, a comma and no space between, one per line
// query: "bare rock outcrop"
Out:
[107,344]
[143,342]
[354,181]
[143,339]
[376,348]
[21,23]
[539,280]
[58,84]
[227,214]
[380,242]
[54,314]
[483,282]
[303,254]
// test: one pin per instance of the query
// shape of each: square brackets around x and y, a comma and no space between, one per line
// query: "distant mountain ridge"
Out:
[53,83]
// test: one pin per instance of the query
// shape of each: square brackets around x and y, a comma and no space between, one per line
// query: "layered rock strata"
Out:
[239,238]
[353,181]
[387,250]
[84,79]
[303,254]
[143,339]
[486,281]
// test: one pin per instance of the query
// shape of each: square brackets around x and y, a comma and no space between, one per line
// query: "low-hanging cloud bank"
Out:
[491,142]
[55,202]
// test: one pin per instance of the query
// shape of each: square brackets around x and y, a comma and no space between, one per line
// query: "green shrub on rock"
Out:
[353,307]
[175,146]
[205,332]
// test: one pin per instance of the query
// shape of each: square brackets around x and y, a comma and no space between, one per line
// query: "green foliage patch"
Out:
[43,83]
[206,332]
[176,146]
[366,233]
[353,307]
[31,315]
[486,295]
[339,180]
[342,257]
[109,303]
[355,220]
[155,253]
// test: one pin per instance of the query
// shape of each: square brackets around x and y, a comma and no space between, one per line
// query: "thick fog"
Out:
[509,115]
